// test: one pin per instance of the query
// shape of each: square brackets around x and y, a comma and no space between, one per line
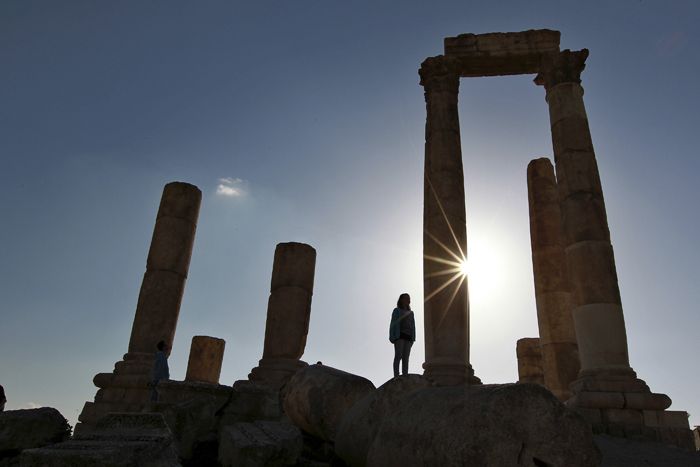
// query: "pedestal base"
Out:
[446,374]
[622,405]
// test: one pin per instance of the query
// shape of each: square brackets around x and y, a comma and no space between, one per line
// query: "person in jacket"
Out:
[402,333]
[160,368]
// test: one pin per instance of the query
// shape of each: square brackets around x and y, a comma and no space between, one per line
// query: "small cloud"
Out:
[231,187]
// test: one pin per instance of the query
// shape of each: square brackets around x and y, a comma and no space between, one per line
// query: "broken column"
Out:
[206,357]
[529,356]
[158,306]
[607,390]
[288,314]
[446,304]
[559,349]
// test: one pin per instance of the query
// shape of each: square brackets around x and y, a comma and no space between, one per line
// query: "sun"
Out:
[464,268]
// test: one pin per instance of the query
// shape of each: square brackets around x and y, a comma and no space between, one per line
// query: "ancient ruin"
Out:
[575,380]
[126,388]
[606,390]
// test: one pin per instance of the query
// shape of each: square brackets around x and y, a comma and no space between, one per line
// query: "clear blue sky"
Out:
[304,121]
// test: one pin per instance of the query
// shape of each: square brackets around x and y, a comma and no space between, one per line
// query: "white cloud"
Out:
[231,187]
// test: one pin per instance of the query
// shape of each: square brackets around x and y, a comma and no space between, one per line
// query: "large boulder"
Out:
[319,397]
[361,424]
[31,428]
[493,425]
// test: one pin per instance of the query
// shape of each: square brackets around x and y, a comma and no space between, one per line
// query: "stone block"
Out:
[31,428]
[361,424]
[495,54]
[117,440]
[696,435]
[624,385]
[248,403]
[206,357]
[137,396]
[646,401]
[494,425]
[319,397]
[180,200]
[294,266]
[591,257]
[666,419]
[630,417]
[110,395]
[268,444]
[600,328]
[171,245]
[597,400]
[592,415]
[287,325]
[157,310]
[179,392]
[529,361]
[190,422]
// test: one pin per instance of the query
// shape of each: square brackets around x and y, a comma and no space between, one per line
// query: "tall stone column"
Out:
[158,306]
[559,349]
[157,309]
[446,308]
[607,391]
[288,314]
[597,308]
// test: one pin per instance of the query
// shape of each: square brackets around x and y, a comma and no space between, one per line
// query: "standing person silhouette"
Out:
[160,368]
[402,333]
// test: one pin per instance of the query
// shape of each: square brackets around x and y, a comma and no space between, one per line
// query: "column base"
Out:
[619,404]
[450,374]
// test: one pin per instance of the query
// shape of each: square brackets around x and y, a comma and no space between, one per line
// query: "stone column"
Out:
[560,358]
[597,308]
[206,357]
[446,308]
[288,313]
[157,309]
[158,306]
[607,391]
[529,356]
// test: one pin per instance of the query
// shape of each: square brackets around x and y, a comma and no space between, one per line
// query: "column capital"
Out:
[440,74]
[561,67]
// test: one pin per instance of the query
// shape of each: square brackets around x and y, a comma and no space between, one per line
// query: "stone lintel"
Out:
[500,54]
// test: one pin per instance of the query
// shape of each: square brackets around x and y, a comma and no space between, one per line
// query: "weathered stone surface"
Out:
[118,440]
[263,443]
[361,424]
[190,422]
[287,325]
[31,428]
[206,357]
[529,361]
[494,425]
[319,397]
[248,403]
[496,54]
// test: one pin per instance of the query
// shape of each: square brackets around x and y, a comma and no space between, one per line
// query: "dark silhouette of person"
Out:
[402,333]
